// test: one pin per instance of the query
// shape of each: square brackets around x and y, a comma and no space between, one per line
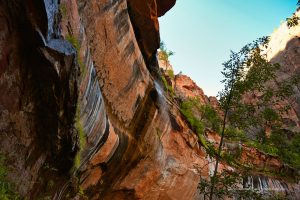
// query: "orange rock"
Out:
[144,17]
[186,88]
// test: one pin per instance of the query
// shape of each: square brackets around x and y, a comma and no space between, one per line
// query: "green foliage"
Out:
[227,184]
[279,145]
[289,147]
[81,138]
[200,116]
[6,188]
[210,117]
[164,54]
[171,74]
[187,109]
[245,73]
[292,21]
[234,134]
[168,87]
[260,113]
[63,10]
[209,147]
[50,184]
[74,41]
[267,148]
[270,115]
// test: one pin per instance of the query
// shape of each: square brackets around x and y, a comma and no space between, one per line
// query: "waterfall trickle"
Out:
[163,105]
[270,186]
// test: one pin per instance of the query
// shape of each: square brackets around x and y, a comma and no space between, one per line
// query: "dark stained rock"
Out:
[164,6]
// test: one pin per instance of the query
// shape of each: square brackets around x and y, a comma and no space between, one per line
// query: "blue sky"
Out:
[202,33]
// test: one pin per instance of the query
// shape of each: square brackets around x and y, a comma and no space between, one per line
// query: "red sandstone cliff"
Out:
[82,117]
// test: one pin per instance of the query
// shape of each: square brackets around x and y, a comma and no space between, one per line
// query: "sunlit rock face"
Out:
[81,112]
[186,89]
[123,76]
[283,48]
[156,153]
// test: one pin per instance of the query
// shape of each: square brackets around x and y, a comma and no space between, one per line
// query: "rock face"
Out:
[186,89]
[82,117]
[144,17]
[284,49]
[163,6]
[38,81]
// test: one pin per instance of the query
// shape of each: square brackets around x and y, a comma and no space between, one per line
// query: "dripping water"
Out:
[162,103]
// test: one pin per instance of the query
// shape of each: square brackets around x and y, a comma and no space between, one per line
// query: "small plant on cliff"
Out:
[6,188]
[63,9]
[292,21]
[74,41]
[167,86]
[171,74]
[189,109]
[164,54]
[81,139]
[200,116]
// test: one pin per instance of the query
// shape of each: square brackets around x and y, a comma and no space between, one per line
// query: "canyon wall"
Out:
[84,114]
[283,48]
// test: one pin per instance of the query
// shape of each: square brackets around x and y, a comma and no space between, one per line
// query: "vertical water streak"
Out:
[162,103]
[52,11]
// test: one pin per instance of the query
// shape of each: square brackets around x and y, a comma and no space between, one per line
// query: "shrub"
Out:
[168,87]
[171,74]
[211,117]
[292,21]
[267,148]
[63,10]
[6,188]
[164,54]
[289,147]
[234,134]
[200,116]
[81,139]
[74,41]
[187,108]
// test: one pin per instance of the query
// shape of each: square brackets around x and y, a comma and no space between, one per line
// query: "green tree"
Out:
[245,71]
[164,53]
[292,21]
[247,74]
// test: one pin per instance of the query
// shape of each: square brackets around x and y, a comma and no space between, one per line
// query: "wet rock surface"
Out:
[39,87]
